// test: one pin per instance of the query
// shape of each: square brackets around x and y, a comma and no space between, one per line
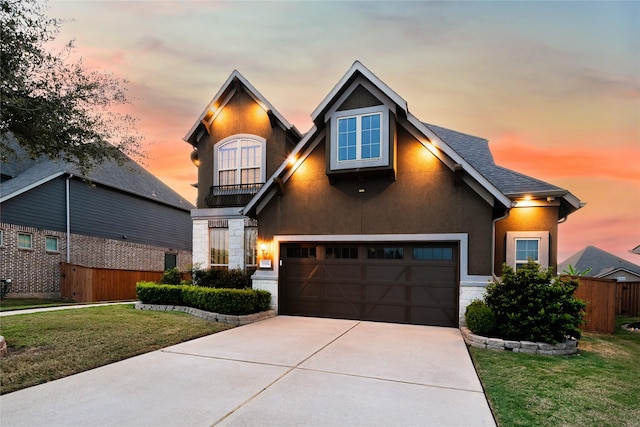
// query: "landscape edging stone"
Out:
[565,348]
[208,315]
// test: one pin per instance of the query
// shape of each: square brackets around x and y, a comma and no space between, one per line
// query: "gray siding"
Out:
[41,207]
[99,211]
[102,212]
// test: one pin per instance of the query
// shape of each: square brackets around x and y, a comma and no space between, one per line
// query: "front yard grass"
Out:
[599,386]
[51,345]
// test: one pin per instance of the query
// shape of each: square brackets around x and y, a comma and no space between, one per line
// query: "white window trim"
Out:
[383,160]
[23,247]
[57,249]
[238,137]
[543,249]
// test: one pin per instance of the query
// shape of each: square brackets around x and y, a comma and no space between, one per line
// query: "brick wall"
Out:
[36,272]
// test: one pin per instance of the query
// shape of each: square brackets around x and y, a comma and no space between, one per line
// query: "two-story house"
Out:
[372,214]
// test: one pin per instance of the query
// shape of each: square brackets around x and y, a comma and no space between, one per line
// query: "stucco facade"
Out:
[422,188]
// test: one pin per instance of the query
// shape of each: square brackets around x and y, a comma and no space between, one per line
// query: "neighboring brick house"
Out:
[372,214]
[123,218]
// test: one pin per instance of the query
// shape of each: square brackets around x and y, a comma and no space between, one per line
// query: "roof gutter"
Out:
[68,213]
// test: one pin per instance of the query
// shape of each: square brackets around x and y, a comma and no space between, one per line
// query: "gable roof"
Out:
[635,250]
[453,148]
[130,178]
[600,262]
[222,97]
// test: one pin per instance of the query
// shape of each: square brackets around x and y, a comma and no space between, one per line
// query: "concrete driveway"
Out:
[284,371]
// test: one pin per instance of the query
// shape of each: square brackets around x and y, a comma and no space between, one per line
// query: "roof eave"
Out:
[357,67]
[253,92]
[31,186]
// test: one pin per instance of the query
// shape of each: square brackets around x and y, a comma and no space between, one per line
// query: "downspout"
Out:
[68,213]
[493,243]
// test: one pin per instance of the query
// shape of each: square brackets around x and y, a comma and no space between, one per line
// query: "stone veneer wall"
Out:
[560,349]
[36,272]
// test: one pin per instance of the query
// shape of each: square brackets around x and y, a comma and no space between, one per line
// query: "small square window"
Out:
[360,139]
[51,244]
[527,249]
[524,245]
[25,241]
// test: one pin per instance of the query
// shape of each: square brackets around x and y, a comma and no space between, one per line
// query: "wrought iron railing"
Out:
[231,195]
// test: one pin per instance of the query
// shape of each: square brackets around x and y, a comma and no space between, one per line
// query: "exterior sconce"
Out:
[195,159]
[265,261]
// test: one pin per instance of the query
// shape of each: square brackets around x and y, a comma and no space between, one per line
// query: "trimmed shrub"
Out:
[234,279]
[227,279]
[530,304]
[217,300]
[263,300]
[171,276]
[480,318]
[154,293]
[205,278]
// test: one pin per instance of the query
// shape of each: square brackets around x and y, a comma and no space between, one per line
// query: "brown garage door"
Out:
[400,283]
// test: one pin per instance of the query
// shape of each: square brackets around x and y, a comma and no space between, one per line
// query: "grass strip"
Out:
[51,345]
[9,304]
[599,386]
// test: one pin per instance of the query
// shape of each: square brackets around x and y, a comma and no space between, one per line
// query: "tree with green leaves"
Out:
[55,106]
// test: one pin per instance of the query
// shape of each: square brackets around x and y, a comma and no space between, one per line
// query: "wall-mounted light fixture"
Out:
[195,159]
[265,261]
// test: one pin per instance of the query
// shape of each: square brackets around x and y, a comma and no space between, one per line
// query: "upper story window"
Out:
[240,160]
[360,138]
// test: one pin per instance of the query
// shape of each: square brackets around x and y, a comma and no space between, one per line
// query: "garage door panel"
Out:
[343,310]
[343,271]
[302,307]
[305,289]
[385,272]
[432,294]
[385,313]
[437,273]
[343,290]
[385,293]
[351,285]
[432,316]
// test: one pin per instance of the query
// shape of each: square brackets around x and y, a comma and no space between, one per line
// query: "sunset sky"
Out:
[553,86]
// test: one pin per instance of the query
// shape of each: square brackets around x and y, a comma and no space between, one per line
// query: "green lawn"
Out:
[600,386]
[51,345]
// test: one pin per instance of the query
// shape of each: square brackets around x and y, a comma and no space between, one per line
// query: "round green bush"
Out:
[531,304]
[480,318]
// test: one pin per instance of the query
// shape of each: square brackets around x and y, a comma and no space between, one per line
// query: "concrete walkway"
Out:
[60,307]
[283,371]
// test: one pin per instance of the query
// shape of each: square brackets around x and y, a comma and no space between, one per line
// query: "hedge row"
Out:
[216,300]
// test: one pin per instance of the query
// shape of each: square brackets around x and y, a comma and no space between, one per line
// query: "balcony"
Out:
[231,195]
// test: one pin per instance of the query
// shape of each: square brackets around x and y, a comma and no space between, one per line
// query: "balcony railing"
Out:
[231,195]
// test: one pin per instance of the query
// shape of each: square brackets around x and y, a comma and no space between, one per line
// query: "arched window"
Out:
[240,160]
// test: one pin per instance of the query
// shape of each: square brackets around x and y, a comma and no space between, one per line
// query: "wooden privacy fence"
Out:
[85,284]
[607,299]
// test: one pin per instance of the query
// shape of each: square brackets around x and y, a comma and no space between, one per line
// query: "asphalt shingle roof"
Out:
[130,178]
[600,262]
[476,151]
